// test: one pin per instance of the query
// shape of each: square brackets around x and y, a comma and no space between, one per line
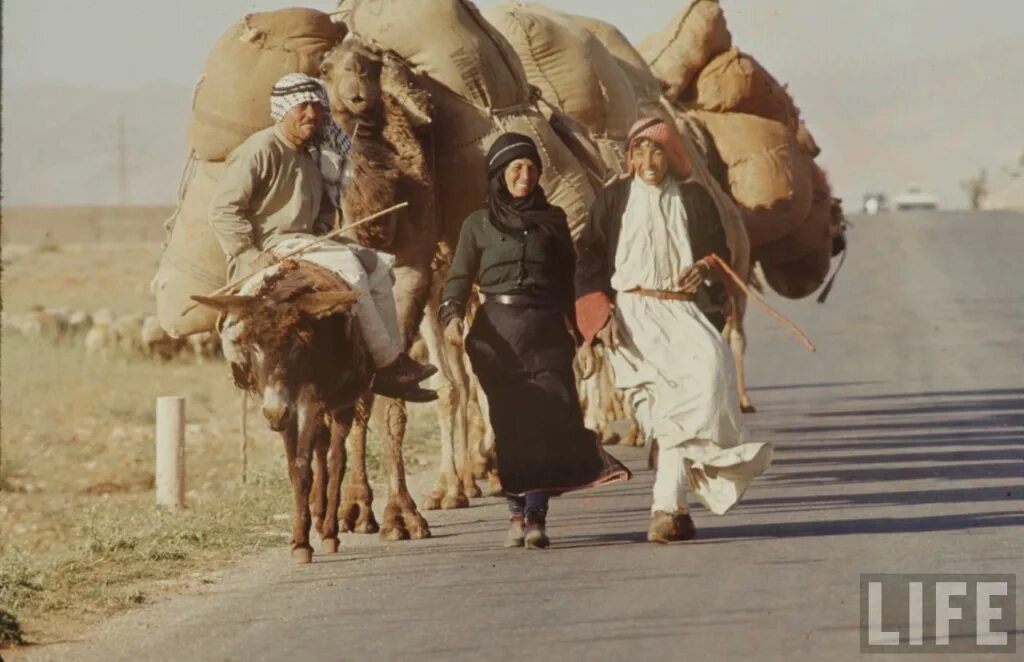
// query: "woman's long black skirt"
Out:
[523,357]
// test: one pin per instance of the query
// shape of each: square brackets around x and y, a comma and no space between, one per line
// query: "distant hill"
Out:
[60,145]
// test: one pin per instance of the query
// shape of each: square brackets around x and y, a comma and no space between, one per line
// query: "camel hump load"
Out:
[574,84]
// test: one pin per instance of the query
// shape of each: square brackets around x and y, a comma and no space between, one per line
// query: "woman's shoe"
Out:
[536,535]
[516,536]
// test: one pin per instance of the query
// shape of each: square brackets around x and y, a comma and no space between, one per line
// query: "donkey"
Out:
[290,338]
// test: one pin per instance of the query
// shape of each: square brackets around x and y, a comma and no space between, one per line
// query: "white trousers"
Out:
[670,481]
[375,310]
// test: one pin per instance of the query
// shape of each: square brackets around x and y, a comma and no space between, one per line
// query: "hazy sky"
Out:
[896,92]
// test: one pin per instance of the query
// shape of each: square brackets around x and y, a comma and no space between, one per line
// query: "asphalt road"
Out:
[899,448]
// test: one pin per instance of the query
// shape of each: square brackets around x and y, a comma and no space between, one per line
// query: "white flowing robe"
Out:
[676,370]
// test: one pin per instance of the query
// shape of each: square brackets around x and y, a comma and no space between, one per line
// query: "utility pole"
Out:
[122,161]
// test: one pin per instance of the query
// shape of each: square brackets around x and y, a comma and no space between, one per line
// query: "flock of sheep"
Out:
[107,335]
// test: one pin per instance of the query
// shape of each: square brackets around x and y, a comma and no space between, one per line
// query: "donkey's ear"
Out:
[325,304]
[227,303]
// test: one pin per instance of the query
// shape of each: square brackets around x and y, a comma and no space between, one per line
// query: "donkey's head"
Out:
[278,348]
[351,72]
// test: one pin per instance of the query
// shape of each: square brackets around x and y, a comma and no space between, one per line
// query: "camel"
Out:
[289,338]
[378,102]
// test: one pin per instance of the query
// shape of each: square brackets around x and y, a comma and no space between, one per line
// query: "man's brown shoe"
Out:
[663,528]
[684,524]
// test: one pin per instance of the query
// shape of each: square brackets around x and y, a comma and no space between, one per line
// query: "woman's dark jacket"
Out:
[537,261]
[600,239]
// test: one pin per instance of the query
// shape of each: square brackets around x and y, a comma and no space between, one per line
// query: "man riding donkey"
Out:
[280,188]
[643,276]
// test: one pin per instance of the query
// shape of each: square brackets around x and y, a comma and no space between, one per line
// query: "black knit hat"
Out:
[509,147]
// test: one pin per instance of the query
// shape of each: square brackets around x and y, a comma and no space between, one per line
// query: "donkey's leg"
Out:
[309,425]
[356,510]
[401,518]
[318,500]
[340,424]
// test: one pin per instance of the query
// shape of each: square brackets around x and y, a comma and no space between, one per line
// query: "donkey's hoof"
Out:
[302,554]
[454,502]
[330,546]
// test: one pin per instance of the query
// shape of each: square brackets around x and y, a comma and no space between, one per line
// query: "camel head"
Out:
[351,72]
[278,348]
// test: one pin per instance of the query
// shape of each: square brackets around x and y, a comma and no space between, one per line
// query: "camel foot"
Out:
[330,546]
[404,525]
[494,488]
[748,408]
[356,515]
[302,554]
[454,501]
[433,500]
[472,490]
[610,438]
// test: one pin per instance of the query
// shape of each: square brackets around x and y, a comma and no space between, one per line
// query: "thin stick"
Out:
[298,251]
[244,445]
[726,269]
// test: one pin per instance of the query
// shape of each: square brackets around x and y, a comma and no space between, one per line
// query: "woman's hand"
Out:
[693,276]
[453,332]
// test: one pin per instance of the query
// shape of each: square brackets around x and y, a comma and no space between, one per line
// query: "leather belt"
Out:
[519,300]
[665,295]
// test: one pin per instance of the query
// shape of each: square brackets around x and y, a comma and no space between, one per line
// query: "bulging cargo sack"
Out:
[646,86]
[232,98]
[571,68]
[732,219]
[193,261]
[678,51]
[813,232]
[446,40]
[736,82]
[769,173]
[800,278]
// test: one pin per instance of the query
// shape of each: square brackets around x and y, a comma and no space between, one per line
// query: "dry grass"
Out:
[80,538]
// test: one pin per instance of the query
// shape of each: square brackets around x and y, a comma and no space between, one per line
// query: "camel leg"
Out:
[335,465]
[488,448]
[356,509]
[448,491]
[401,518]
[736,336]
[609,410]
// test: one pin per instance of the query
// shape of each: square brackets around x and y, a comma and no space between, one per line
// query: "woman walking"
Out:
[519,252]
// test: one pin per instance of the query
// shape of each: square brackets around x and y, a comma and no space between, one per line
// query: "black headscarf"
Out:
[513,215]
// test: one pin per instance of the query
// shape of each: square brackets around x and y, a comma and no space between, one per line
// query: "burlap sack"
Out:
[769,173]
[446,40]
[646,86]
[812,232]
[678,51]
[736,82]
[571,68]
[193,261]
[800,278]
[732,219]
[232,97]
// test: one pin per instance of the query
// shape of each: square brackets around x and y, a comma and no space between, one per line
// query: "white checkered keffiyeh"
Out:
[333,145]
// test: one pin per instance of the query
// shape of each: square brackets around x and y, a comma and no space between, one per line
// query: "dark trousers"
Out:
[533,506]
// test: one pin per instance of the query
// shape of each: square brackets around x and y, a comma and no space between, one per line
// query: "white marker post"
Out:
[170,451]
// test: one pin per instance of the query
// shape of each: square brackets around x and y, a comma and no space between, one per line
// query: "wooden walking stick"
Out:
[298,251]
[724,268]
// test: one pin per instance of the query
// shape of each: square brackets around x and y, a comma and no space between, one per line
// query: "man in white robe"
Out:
[642,277]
